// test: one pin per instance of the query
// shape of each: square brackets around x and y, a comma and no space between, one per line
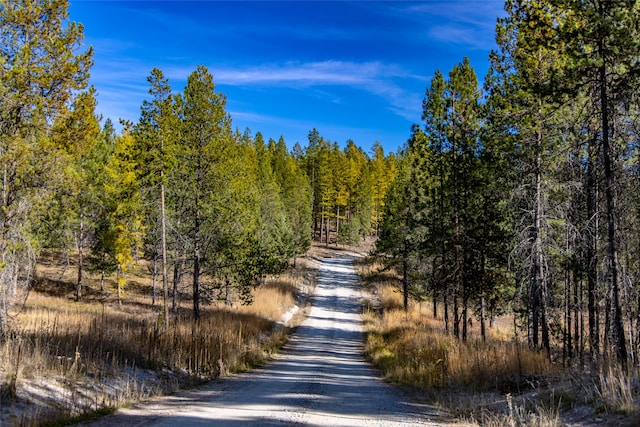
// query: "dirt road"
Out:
[320,378]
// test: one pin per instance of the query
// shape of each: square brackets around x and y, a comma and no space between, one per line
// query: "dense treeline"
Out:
[524,196]
[348,188]
[201,201]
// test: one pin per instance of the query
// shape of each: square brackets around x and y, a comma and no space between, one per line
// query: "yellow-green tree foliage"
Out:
[41,71]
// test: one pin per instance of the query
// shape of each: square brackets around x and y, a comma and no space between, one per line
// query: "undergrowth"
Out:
[76,358]
[497,382]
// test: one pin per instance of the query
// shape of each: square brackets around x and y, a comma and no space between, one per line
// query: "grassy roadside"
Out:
[66,360]
[500,382]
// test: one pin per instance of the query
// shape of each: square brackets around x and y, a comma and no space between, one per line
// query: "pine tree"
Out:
[359,188]
[155,138]
[205,132]
[462,100]
[275,240]
[318,166]
[74,194]
[382,173]
[102,256]
[40,76]
[296,195]
[530,56]
[431,173]
[124,210]
[602,41]
[401,239]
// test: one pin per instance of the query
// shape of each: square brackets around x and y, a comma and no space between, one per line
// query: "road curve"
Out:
[319,379]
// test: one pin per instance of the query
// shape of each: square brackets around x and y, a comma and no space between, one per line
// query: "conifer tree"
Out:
[318,165]
[74,193]
[206,130]
[124,210]
[296,195]
[41,72]
[155,134]
[382,172]
[275,240]
[101,258]
[400,239]
[358,187]
[530,57]
[602,42]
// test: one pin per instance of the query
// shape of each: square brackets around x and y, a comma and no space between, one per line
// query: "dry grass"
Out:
[500,382]
[96,354]
[414,349]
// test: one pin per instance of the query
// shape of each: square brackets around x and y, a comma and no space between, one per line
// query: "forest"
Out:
[522,196]
[515,197]
[202,201]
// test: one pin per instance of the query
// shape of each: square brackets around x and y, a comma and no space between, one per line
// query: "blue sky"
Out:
[353,70]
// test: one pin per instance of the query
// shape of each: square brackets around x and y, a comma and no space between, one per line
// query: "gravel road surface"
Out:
[319,379]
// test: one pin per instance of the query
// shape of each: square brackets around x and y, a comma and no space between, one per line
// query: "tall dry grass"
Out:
[413,348]
[500,382]
[96,354]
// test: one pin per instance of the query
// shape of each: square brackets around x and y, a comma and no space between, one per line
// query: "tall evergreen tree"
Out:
[102,256]
[296,195]
[275,240]
[602,41]
[206,130]
[124,210]
[530,57]
[73,200]
[359,189]
[40,75]
[156,138]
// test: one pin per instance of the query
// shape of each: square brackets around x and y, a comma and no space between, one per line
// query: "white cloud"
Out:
[373,77]
[122,85]
[468,23]
[330,72]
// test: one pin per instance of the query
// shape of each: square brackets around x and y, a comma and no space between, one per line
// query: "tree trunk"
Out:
[568,350]
[610,197]
[591,252]
[457,273]
[80,245]
[154,277]
[405,281]
[178,272]
[337,223]
[483,320]
[165,279]
[445,301]
[576,314]
[119,275]
[196,241]
[196,283]
[538,279]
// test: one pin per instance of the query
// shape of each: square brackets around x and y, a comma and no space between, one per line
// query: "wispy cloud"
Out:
[469,23]
[122,84]
[325,73]
[373,77]
[376,78]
